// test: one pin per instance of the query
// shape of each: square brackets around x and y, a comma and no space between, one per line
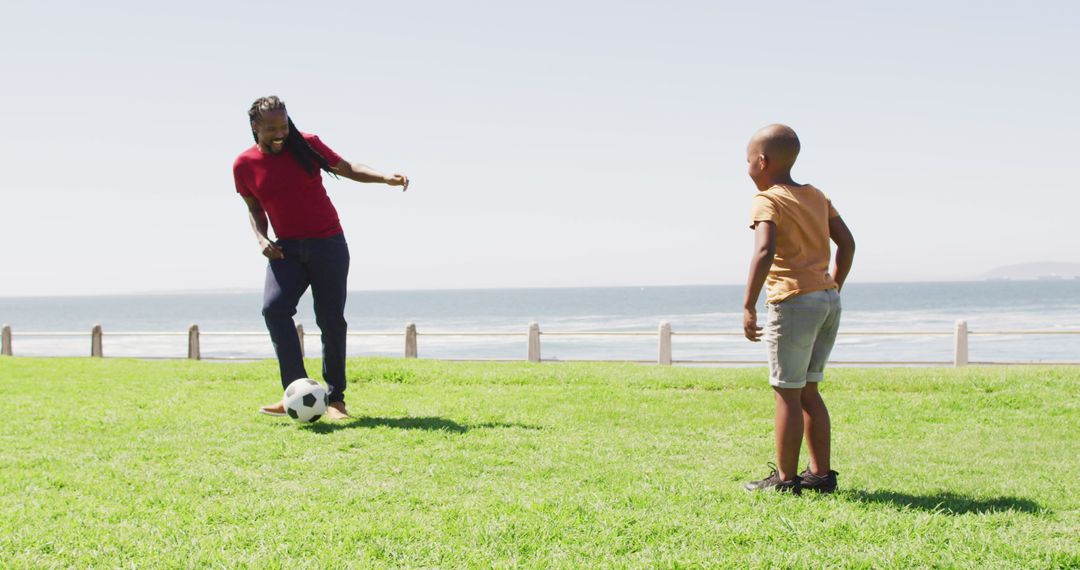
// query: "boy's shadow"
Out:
[421,423]
[948,503]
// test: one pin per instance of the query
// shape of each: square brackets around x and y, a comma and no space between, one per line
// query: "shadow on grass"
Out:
[423,423]
[948,503]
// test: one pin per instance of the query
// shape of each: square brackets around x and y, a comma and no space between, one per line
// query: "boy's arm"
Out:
[361,173]
[764,250]
[845,249]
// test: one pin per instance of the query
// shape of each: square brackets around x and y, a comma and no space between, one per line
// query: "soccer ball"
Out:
[305,400]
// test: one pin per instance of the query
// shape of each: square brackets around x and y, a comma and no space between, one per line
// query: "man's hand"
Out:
[271,250]
[399,180]
[749,324]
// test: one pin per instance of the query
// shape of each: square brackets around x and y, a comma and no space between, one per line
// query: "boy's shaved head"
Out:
[778,143]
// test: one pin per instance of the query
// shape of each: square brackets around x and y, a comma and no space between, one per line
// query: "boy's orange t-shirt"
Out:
[801,215]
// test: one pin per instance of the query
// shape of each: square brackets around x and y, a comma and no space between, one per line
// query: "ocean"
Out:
[987,306]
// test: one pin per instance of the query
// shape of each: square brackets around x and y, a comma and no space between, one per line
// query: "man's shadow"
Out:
[421,423]
[948,503]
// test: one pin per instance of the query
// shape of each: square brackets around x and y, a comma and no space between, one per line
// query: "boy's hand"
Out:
[749,325]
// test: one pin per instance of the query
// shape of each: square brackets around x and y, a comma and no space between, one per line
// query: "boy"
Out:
[792,226]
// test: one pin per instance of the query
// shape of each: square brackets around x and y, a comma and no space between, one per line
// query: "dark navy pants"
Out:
[322,264]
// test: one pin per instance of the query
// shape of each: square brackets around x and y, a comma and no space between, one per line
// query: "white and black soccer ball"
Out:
[305,400]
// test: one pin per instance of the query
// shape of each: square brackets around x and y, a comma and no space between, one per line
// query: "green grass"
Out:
[124,463]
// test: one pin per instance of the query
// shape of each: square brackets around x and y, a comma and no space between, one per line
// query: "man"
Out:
[279,178]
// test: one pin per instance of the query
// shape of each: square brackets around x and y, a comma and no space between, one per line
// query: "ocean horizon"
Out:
[934,307]
[239,290]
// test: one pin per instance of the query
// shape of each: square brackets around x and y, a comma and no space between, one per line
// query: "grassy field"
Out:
[123,463]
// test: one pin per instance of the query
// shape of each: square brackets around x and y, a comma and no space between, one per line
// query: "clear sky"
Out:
[549,143]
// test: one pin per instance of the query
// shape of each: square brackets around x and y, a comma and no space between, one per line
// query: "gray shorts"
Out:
[800,333]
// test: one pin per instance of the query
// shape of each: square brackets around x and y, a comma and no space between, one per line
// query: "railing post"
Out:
[534,342]
[193,351]
[5,341]
[664,356]
[410,340]
[960,353]
[300,335]
[95,342]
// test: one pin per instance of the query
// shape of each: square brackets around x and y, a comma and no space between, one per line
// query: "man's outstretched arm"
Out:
[361,173]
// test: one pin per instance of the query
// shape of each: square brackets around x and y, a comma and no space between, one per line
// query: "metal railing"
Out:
[664,335]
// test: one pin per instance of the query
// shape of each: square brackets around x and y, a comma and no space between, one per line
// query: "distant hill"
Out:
[1040,270]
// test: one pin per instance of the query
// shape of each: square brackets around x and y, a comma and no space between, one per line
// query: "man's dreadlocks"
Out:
[308,158]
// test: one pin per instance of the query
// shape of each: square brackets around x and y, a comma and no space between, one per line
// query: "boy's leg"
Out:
[788,422]
[286,281]
[816,420]
[818,426]
[329,264]
[790,334]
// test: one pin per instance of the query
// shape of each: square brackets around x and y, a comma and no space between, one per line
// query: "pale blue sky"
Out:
[555,143]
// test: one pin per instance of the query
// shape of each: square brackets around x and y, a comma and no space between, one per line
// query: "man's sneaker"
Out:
[819,483]
[773,483]
[277,409]
[337,411]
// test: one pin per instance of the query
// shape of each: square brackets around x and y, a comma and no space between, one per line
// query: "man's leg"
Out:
[286,281]
[329,264]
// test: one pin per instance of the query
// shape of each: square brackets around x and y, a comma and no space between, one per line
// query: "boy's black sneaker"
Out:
[821,484]
[773,483]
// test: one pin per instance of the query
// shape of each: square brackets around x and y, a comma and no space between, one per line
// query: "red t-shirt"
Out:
[294,199]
